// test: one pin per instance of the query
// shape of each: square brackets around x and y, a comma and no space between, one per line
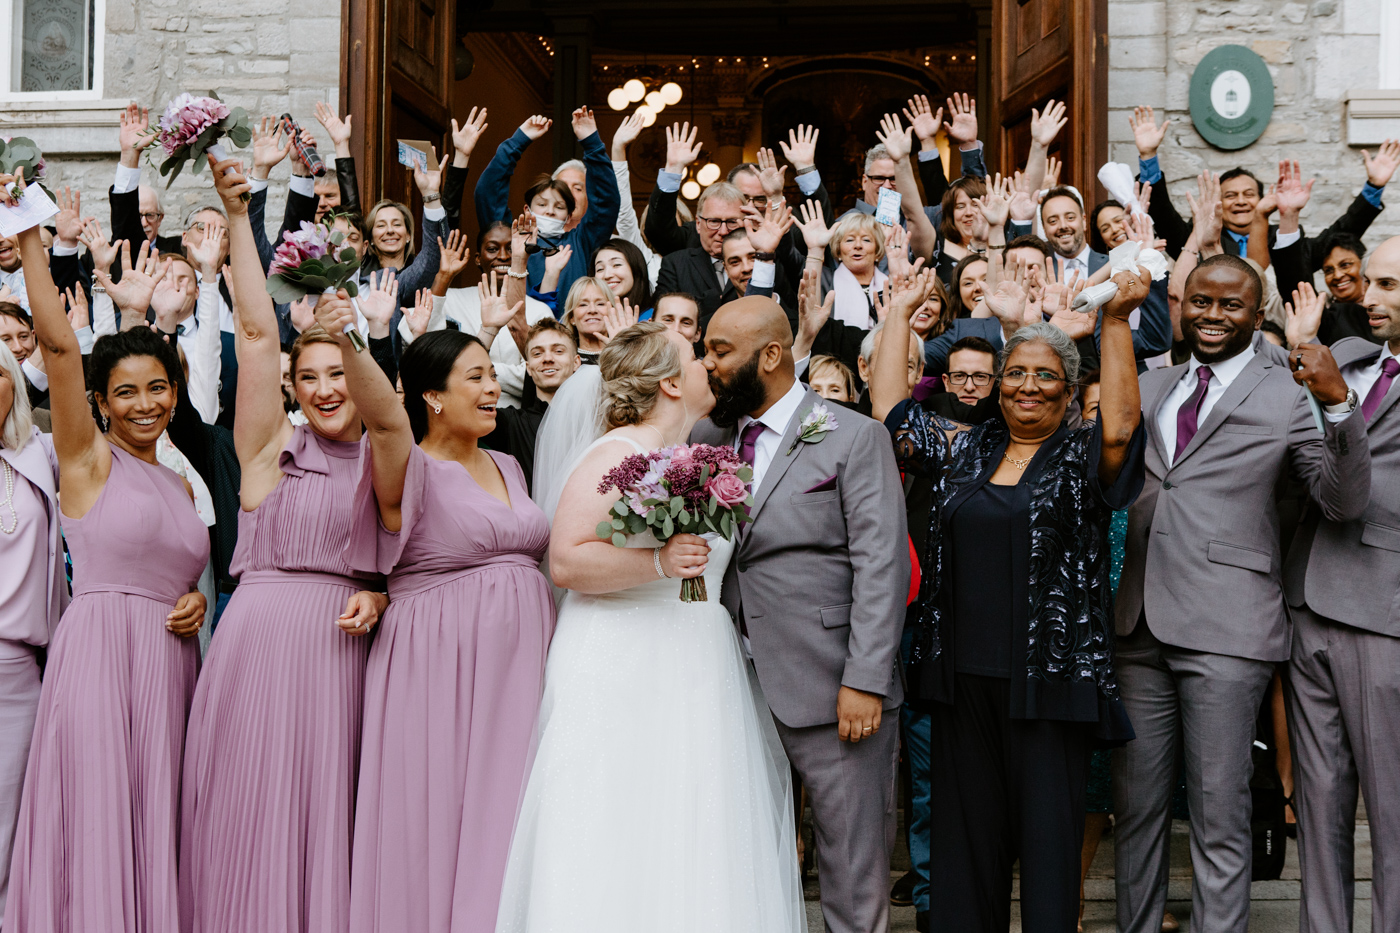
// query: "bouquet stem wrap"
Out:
[351,331]
[219,153]
[693,591]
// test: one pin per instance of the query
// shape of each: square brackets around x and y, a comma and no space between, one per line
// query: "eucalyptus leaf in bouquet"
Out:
[18,152]
[312,261]
[192,127]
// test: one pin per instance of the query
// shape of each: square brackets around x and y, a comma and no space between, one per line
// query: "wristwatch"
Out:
[1345,407]
[764,257]
[430,198]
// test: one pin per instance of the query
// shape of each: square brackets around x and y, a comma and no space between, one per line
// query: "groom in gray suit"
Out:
[818,586]
[1200,611]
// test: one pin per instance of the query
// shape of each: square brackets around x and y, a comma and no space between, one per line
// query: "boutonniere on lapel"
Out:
[818,423]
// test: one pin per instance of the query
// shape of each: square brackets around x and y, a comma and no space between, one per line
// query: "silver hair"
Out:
[722,191]
[873,154]
[19,422]
[154,193]
[572,163]
[1054,338]
[867,346]
[189,218]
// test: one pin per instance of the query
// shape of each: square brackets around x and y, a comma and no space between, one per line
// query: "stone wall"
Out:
[268,56]
[1315,51]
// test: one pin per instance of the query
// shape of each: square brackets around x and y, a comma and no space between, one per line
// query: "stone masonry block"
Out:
[319,34]
[1273,51]
[273,39]
[1136,19]
[1135,88]
[1345,62]
[1144,52]
[264,66]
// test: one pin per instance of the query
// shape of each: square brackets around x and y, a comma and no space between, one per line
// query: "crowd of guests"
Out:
[1137,531]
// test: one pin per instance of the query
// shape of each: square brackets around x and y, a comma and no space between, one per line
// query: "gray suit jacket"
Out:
[1350,570]
[1202,555]
[823,577]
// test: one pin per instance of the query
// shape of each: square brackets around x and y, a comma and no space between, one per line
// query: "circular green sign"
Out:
[1232,97]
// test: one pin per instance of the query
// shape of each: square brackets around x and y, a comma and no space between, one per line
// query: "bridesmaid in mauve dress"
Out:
[97,838]
[274,735]
[33,589]
[457,667]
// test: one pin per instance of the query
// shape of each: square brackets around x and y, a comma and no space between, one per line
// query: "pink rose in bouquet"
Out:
[193,126]
[729,489]
[186,117]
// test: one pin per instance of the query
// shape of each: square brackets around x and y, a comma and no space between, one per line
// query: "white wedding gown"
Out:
[655,802]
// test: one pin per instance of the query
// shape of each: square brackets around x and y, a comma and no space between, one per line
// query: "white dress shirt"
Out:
[1362,376]
[1078,263]
[15,282]
[775,422]
[1222,374]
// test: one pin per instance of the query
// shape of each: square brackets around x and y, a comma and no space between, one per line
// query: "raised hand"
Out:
[135,133]
[1381,169]
[1303,316]
[206,254]
[1132,291]
[1142,193]
[428,182]
[925,122]
[1052,172]
[1140,230]
[95,239]
[270,146]
[770,175]
[452,254]
[68,224]
[894,137]
[76,300]
[766,230]
[963,126]
[801,147]
[1146,133]
[627,132]
[231,186]
[1046,126]
[559,260]
[1007,301]
[303,314]
[897,251]
[619,316]
[910,292]
[522,233]
[421,313]
[168,300]
[337,129]
[536,126]
[1059,292]
[495,312]
[1077,324]
[138,282]
[812,312]
[584,123]
[378,300]
[681,147]
[333,313]
[1292,195]
[1022,204]
[996,203]
[812,223]
[468,134]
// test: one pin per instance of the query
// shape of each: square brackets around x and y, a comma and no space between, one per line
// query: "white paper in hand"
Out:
[887,207]
[33,209]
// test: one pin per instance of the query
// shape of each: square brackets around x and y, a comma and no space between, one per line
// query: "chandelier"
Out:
[635,91]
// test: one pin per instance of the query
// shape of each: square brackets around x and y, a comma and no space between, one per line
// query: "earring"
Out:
[437,409]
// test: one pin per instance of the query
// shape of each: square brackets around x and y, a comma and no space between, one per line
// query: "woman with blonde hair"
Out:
[586,311]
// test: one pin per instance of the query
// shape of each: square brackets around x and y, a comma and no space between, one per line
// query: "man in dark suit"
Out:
[1242,194]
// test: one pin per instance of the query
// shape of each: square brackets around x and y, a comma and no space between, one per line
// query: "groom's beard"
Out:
[742,394]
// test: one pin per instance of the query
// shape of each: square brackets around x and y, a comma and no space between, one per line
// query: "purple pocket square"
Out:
[826,485]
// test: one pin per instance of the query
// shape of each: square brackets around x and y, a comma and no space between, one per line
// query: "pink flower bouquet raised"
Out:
[687,489]
[309,262]
[192,126]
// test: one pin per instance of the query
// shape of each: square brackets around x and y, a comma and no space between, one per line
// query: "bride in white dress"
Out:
[659,799]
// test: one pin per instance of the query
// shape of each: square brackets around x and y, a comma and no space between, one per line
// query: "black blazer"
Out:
[126,225]
[692,271]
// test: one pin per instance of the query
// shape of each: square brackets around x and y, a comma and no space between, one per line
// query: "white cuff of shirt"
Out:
[85,338]
[928,155]
[127,179]
[1287,239]
[809,183]
[303,185]
[256,184]
[434,213]
[39,380]
[799,367]
[763,274]
[58,249]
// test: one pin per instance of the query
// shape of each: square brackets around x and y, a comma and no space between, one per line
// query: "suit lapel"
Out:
[33,464]
[1238,391]
[785,454]
[1153,410]
[1357,354]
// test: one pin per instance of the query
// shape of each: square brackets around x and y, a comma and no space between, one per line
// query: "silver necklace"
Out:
[9,501]
[659,436]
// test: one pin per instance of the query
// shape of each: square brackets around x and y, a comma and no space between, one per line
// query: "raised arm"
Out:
[493,187]
[600,181]
[889,381]
[1120,406]
[386,421]
[1044,128]
[663,230]
[923,239]
[454,174]
[339,131]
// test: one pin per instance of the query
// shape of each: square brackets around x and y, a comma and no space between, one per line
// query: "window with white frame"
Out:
[53,51]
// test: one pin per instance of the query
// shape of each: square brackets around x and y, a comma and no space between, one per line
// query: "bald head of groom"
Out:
[748,352]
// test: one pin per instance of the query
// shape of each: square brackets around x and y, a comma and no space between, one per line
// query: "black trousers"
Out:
[1004,789]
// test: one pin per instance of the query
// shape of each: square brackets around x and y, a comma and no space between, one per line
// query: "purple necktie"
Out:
[1389,369]
[748,439]
[1188,415]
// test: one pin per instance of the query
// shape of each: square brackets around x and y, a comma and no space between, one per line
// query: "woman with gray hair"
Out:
[1012,638]
[33,590]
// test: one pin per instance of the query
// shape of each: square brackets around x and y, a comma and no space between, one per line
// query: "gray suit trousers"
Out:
[1343,691]
[851,788]
[1206,704]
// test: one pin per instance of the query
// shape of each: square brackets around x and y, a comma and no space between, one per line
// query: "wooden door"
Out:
[397,81]
[1044,50]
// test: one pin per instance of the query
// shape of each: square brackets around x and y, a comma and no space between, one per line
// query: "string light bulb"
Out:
[617,99]
[708,175]
[635,90]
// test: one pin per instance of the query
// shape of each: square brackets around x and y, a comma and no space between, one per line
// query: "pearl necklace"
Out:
[9,500]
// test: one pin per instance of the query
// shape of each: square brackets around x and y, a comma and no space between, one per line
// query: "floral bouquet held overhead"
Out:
[690,489]
[192,126]
[17,152]
[311,262]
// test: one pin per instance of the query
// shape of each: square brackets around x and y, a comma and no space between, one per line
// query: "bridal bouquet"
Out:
[17,152]
[192,126]
[309,263]
[687,489]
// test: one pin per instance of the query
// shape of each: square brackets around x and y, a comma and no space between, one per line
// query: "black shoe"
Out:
[902,894]
[921,921]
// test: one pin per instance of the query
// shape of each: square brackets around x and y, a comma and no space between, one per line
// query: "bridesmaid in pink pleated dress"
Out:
[96,844]
[457,667]
[274,734]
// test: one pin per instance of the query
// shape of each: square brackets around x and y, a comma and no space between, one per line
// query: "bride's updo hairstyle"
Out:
[633,365]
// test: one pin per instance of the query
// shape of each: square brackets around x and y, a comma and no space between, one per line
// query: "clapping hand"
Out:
[1146,133]
[681,147]
[362,612]
[801,147]
[536,126]
[1381,169]
[1303,315]
[894,137]
[584,123]
[467,135]
[377,302]
[963,127]
[619,316]
[1046,126]
[922,118]
[452,255]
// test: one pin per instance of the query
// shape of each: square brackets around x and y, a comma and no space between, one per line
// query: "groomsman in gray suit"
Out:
[1201,619]
[1343,584]
[818,586]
